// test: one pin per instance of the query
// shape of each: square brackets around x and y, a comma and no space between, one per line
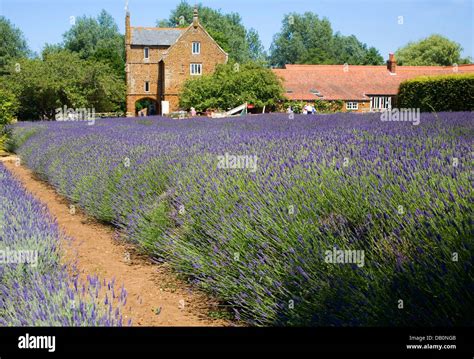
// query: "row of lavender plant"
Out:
[258,237]
[35,288]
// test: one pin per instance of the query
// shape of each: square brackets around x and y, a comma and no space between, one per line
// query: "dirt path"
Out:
[95,252]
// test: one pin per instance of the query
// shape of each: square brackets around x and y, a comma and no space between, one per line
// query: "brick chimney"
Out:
[195,17]
[128,46]
[392,63]
[127,28]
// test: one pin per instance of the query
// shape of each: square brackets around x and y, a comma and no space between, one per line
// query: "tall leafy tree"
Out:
[372,57]
[241,44]
[13,44]
[433,50]
[257,51]
[348,49]
[99,39]
[308,39]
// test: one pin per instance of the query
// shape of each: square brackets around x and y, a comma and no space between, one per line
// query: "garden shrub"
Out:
[438,93]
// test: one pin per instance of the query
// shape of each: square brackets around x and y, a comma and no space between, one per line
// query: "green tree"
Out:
[257,51]
[372,57]
[49,49]
[241,44]
[348,49]
[98,39]
[60,79]
[13,43]
[8,108]
[307,39]
[232,85]
[303,39]
[431,51]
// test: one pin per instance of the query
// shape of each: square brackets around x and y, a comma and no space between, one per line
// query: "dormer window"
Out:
[196,48]
[146,53]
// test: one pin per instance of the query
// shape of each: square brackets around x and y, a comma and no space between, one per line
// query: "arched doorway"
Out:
[145,107]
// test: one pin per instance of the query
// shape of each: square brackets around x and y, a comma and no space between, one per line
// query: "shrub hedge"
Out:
[320,105]
[440,93]
[8,108]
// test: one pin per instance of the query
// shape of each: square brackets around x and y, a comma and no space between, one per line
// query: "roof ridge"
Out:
[157,28]
[355,84]
[155,36]
[408,67]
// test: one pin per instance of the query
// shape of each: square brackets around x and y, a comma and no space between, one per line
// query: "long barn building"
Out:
[361,88]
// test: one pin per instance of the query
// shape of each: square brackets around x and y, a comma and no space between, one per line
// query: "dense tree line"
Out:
[86,70]
[61,79]
[307,39]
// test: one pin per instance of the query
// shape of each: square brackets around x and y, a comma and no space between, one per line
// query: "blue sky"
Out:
[375,22]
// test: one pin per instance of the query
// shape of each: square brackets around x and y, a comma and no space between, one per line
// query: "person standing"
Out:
[305,109]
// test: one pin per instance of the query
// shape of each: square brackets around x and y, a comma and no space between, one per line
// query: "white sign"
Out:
[165,107]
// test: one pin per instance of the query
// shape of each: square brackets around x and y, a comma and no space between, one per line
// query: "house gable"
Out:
[178,58]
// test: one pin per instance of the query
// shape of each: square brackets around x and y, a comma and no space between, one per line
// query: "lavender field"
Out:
[35,288]
[257,210]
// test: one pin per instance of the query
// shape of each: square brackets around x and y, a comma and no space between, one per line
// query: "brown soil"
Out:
[156,297]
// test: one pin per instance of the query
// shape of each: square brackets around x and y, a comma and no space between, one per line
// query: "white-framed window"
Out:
[196,69]
[146,53]
[352,105]
[196,48]
[380,103]
[147,86]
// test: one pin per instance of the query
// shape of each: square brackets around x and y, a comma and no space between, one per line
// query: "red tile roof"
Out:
[357,83]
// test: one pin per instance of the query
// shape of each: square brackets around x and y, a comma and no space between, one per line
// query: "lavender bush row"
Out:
[257,233]
[35,288]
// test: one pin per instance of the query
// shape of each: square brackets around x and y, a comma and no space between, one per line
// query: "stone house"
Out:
[160,60]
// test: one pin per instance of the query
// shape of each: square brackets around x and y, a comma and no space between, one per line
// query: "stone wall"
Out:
[139,70]
[364,106]
[180,57]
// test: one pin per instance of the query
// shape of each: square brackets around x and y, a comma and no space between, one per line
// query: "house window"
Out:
[380,103]
[147,86]
[196,69]
[352,105]
[146,53]
[196,48]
